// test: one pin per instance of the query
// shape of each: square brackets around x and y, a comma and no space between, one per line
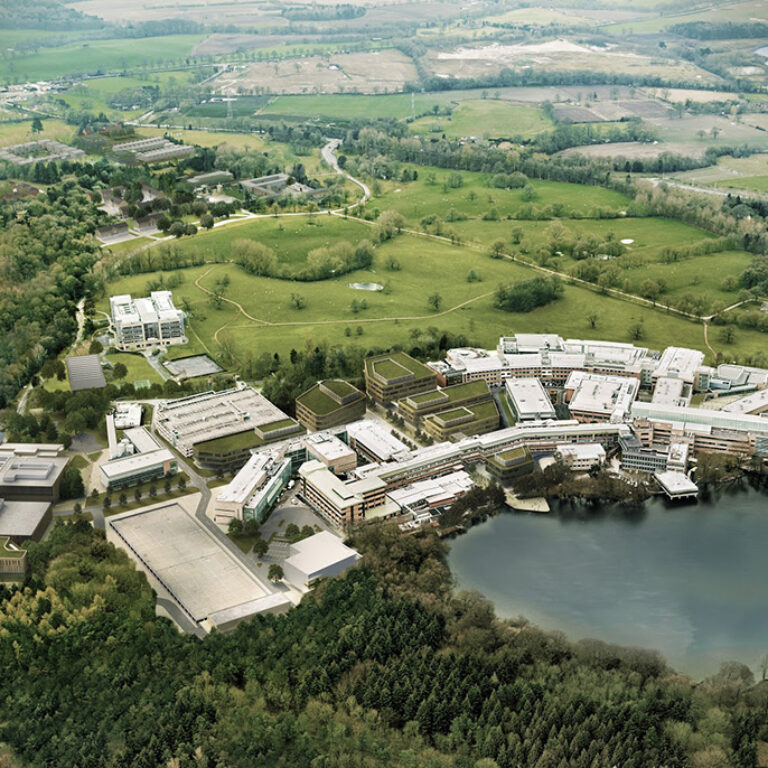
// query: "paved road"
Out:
[181,618]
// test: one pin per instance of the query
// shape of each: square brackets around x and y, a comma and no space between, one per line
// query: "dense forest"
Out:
[46,257]
[384,667]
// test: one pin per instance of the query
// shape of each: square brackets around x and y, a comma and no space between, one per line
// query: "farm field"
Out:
[721,12]
[728,169]
[489,118]
[97,56]
[557,55]
[385,70]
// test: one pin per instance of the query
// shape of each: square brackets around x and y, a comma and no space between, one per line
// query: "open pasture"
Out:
[717,12]
[476,198]
[97,57]
[19,132]
[291,238]
[275,325]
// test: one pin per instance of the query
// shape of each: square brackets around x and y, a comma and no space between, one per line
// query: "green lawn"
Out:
[488,118]
[97,57]
[138,368]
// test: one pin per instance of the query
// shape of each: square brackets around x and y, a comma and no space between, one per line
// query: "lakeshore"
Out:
[682,579]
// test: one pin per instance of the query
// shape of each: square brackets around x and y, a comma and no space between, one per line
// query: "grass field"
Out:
[290,237]
[138,368]
[20,132]
[488,118]
[97,57]
[466,307]
[722,12]
[417,199]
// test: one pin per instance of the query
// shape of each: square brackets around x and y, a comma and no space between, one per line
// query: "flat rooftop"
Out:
[201,574]
[395,365]
[319,551]
[84,372]
[529,398]
[210,415]
[21,518]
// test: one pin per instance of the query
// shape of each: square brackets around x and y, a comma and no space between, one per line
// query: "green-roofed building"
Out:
[330,404]
[230,452]
[395,375]
[511,464]
[415,408]
[465,420]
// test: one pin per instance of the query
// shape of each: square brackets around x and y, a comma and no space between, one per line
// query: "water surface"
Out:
[690,581]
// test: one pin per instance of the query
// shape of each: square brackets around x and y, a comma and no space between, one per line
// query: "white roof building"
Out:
[375,441]
[323,555]
[754,403]
[141,323]
[679,363]
[597,397]
[529,400]
[581,457]
[668,391]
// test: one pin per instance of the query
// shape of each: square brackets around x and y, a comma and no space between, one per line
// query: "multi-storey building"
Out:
[395,375]
[148,322]
[329,404]
[415,408]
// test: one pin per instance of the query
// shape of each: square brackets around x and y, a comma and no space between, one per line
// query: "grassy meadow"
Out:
[97,57]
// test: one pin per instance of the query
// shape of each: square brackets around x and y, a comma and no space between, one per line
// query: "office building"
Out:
[220,428]
[138,458]
[676,485]
[638,457]
[329,404]
[668,391]
[24,520]
[415,408]
[462,421]
[581,458]
[341,502]
[374,441]
[595,397]
[752,404]
[433,494]
[321,556]
[717,431]
[685,364]
[254,489]
[331,451]
[395,375]
[529,400]
[30,472]
[148,322]
[508,465]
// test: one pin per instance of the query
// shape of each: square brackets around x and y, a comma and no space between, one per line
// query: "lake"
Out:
[689,581]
